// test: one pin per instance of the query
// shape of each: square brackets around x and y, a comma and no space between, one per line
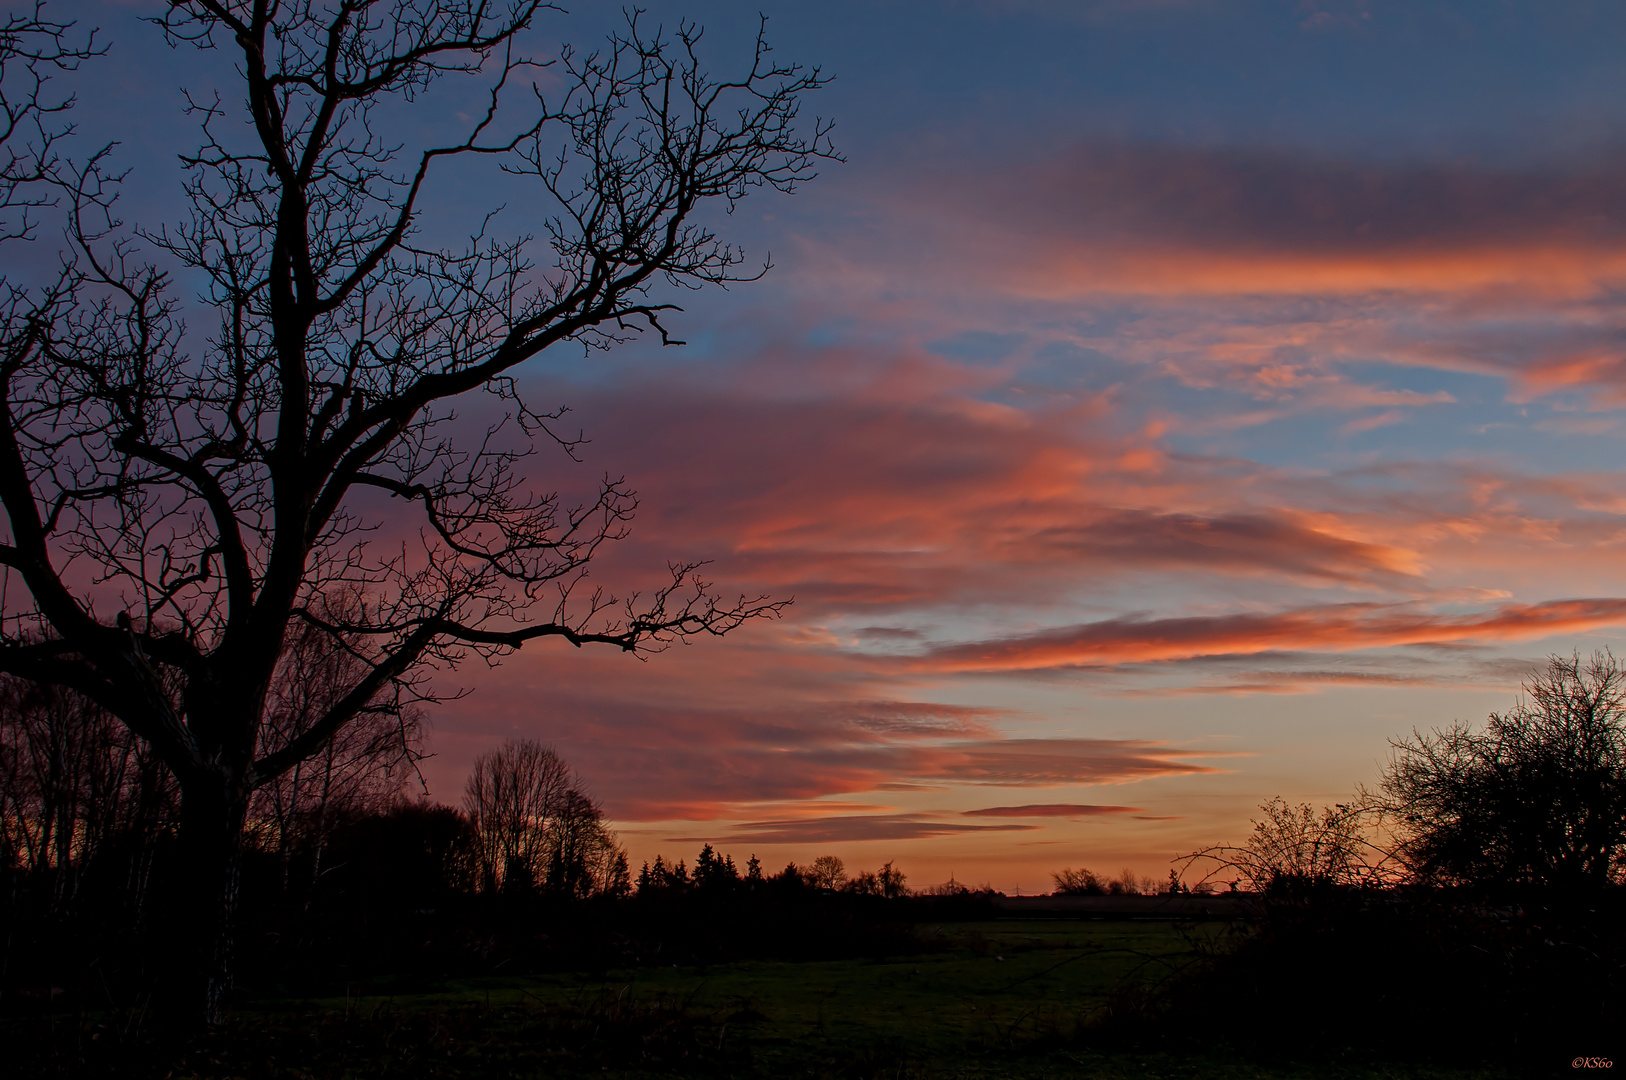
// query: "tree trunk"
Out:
[213,809]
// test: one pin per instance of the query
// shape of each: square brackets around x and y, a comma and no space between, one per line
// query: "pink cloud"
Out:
[939,521]
[852,505]
[1275,256]
[1330,628]
[898,527]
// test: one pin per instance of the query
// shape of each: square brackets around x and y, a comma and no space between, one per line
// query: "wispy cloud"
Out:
[1160,218]
[1061,810]
[1331,628]
[1125,419]
[850,827]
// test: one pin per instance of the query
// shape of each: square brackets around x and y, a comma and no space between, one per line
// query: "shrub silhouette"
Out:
[1534,799]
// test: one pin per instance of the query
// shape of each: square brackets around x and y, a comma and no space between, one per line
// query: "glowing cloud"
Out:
[1330,628]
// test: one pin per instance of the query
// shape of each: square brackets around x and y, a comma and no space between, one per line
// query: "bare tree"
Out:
[82,794]
[1129,883]
[893,882]
[79,794]
[825,872]
[179,500]
[1537,797]
[886,882]
[1292,847]
[364,767]
[1080,882]
[534,826]
[33,48]
[583,856]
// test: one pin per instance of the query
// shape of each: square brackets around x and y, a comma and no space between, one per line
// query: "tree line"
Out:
[1483,867]
[714,872]
[1535,799]
[87,811]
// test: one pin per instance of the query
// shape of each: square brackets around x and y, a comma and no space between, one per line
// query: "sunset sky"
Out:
[1165,404]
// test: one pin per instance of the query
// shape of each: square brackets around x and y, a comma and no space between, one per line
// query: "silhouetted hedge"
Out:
[1419,974]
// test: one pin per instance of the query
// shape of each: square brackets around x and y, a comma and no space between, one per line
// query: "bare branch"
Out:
[186,508]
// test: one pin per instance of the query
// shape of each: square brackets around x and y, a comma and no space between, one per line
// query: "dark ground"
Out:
[1020,998]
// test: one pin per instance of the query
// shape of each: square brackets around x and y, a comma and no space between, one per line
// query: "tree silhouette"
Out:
[535,828]
[181,497]
[826,872]
[1080,882]
[79,795]
[712,870]
[362,769]
[1537,797]
[1293,848]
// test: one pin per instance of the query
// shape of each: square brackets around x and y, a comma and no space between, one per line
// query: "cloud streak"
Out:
[849,503]
[1330,628]
[655,780]
[1116,425]
[1071,811]
[856,827]
[1170,220]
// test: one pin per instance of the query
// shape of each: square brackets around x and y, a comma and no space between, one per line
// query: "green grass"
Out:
[1008,999]
[996,985]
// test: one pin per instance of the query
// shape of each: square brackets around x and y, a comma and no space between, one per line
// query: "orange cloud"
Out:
[1149,318]
[1326,628]
[855,505]
[1555,272]
[1566,371]
[1465,266]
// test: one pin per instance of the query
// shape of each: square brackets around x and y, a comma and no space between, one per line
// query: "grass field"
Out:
[1002,999]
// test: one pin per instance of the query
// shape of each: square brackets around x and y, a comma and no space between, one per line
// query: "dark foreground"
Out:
[1022,997]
